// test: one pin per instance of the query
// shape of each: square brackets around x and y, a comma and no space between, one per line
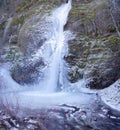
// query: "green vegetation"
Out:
[111,29]
[18,20]
[114,39]
[2,25]
[26,5]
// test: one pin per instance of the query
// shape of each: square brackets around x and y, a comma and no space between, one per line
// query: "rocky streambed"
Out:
[70,117]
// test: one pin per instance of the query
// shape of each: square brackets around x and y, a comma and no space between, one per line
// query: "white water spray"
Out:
[56,43]
[60,15]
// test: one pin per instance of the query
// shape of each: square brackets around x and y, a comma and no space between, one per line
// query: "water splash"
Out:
[6,81]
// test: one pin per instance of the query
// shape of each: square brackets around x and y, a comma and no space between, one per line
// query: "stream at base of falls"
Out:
[60,111]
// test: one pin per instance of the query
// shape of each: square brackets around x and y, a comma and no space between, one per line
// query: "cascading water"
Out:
[52,52]
[60,16]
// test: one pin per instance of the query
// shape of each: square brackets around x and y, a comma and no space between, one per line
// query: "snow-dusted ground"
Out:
[111,95]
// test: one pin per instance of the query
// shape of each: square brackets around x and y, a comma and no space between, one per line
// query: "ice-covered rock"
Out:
[111,95]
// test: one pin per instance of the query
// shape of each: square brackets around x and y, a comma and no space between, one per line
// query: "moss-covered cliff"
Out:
[95,52]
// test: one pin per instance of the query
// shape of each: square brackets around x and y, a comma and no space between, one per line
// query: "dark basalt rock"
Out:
[27,72]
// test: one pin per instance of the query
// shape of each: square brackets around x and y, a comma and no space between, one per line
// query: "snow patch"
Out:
[111,95]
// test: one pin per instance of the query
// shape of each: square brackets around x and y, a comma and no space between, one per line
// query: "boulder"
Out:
[34,33]
[27,72]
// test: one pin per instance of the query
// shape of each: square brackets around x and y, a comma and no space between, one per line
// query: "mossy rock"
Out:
[114,39]
[2,25]
[11,53]
[28,4]
[74,75]
[97,58]
[18,20]
[81,65]
[111,29]
[86,18]
[13,39]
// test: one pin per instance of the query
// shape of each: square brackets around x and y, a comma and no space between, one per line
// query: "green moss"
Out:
[90,16]
[18,20]
[86,46]
[25,5]
[82,65]
[74,75]
[82,13]
[96,50]
[2,25]
[86,39]
[12,54]
[35,10]
[20,7]
[114,39]
[93,60]
[34,3]
[111,29]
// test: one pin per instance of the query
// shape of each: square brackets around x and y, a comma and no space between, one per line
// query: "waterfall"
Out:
[56,43]
[61,16]
[6,31]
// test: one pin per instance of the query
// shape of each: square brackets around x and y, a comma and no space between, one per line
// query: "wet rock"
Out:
[27,72]
[13,39]
[67,117]
[11,53]
[94,53]
[95,60]
[86,18]
[35,33]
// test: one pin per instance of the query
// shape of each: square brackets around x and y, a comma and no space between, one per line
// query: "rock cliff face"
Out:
[94,54]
